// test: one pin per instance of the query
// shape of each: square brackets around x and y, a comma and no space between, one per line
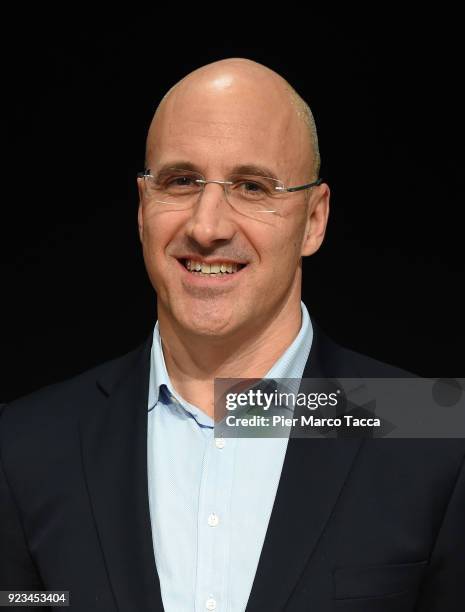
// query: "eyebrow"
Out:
[256,169]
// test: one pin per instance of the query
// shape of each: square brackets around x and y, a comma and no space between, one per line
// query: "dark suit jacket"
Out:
[357,525]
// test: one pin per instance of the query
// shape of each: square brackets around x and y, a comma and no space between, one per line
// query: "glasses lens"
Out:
[174,187]
[248,194]
[254,194]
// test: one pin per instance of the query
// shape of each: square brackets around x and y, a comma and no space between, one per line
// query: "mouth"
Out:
[218,269]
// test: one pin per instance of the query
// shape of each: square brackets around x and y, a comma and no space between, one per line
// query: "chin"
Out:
[206,320]
[212,327]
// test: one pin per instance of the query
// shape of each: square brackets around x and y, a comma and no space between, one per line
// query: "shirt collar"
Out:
[158,372]
[292,362]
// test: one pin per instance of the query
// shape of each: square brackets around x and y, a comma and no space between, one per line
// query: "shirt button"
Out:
[219,442]
[210,604]
[213,521]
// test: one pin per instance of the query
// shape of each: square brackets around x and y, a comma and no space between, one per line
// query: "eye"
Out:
[180,181]
[177,182]
[252,186]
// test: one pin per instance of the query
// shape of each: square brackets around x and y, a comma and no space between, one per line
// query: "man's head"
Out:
[232,113]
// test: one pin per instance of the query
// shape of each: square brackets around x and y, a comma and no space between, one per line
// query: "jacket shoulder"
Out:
[64,399]
[370,367]
[336,360]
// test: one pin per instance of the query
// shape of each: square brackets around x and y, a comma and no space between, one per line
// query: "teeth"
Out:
[215,268]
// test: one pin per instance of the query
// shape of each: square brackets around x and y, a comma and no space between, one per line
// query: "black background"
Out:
[80,91]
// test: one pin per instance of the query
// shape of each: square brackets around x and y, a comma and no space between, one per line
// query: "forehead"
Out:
[222,130]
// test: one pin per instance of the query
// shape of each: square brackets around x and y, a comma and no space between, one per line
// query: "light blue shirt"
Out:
[210,498]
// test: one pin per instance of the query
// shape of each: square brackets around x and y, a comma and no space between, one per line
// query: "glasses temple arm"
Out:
[307,186]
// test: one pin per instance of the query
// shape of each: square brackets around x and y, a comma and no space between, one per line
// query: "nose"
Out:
[211,219]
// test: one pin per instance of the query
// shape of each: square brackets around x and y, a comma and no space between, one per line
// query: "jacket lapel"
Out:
[114,451]
[313,474]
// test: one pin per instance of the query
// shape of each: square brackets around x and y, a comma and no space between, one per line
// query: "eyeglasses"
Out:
[249,194]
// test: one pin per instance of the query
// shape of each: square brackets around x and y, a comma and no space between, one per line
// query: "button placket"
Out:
[213,531]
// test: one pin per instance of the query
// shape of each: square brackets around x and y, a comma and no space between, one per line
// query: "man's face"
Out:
[215,128]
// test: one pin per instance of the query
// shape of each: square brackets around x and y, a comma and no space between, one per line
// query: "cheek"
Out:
[159,228]
[282,247]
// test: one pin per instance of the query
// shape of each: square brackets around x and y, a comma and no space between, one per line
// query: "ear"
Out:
[317,219]
[140,220]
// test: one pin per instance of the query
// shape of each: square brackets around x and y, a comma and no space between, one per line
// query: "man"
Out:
[114,486]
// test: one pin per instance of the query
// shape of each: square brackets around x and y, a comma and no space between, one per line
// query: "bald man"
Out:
[114,485]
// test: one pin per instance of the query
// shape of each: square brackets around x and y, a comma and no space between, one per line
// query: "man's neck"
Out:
[194,362]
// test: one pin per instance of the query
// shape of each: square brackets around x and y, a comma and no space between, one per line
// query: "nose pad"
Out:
[224,185]
[208,222]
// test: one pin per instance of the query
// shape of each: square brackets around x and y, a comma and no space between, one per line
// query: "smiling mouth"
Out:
[211,269]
